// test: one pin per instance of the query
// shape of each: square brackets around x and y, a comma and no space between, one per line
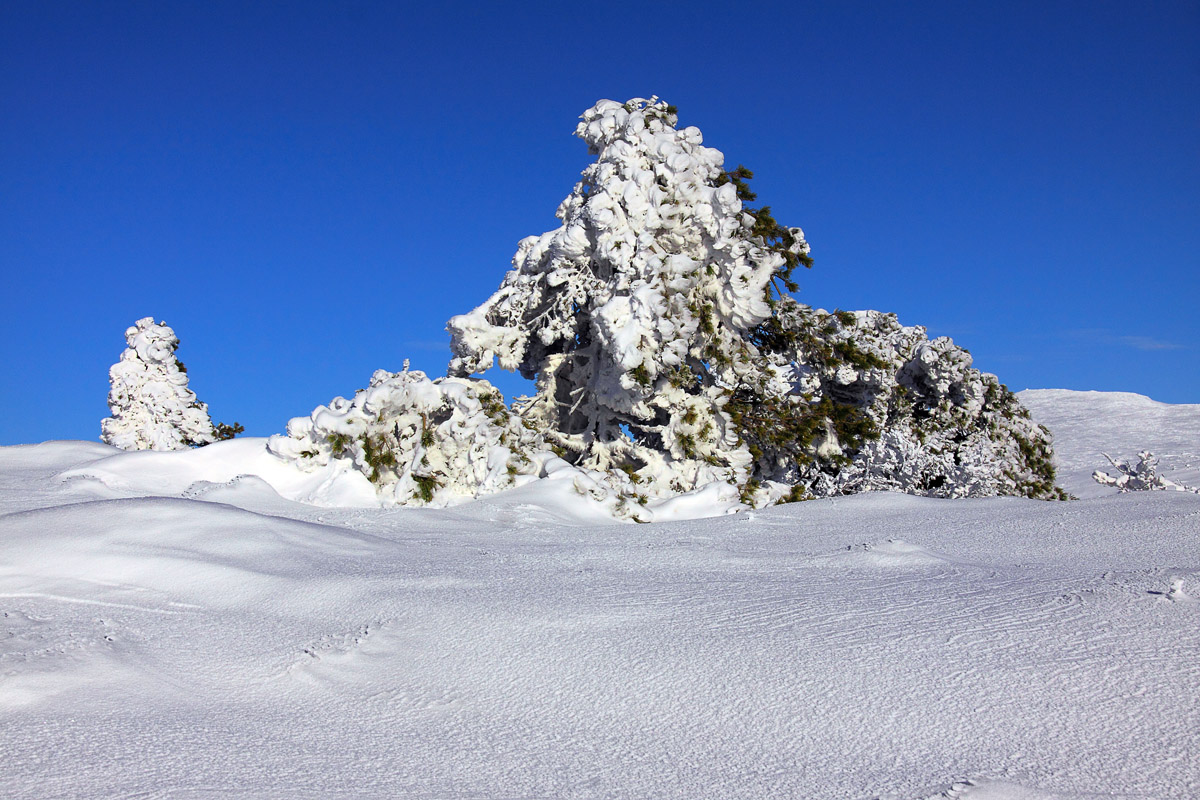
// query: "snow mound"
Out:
[172,474]
[891,554]
[989,789]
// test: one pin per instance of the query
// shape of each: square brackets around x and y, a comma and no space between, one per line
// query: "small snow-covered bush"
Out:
[420,441]
[152,407]
[1139,477]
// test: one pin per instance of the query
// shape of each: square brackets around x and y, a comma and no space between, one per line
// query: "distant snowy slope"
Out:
[1087,424]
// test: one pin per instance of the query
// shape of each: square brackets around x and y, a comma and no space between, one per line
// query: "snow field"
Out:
[172,630]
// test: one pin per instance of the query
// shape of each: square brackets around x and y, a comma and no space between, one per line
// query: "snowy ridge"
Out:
[222,640]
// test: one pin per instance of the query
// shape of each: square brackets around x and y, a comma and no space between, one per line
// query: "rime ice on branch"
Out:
[152,407]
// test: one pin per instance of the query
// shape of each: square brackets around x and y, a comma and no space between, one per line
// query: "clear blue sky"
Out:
[306,192]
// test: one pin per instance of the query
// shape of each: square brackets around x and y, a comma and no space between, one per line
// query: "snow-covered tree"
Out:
[633,315]
[657,325]
[421,442]
[1139,477]
[152,407]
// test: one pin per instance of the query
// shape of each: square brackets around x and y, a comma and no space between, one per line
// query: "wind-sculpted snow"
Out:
[151,404]
[171,624]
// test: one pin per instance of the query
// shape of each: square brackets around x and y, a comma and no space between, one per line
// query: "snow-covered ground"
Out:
[1087,425]
[170,629]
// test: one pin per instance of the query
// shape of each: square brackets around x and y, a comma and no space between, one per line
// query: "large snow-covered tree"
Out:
[152,407]
[633,315]
[657,323]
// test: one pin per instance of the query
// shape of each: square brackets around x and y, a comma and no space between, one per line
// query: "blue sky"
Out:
[307,191]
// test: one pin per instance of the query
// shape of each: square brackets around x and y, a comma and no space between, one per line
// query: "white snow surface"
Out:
[179,625]
[1086,425]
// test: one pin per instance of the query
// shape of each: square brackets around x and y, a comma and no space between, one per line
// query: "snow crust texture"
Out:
[152,407]
[172,625]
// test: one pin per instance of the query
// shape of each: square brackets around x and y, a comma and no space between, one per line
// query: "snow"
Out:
[180,624]
[1088,424]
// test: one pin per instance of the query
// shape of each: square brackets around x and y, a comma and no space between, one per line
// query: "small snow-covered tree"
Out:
[421,442]
[152,407]
[657,324]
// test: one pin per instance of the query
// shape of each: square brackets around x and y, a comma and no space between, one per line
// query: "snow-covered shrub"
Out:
[1140,477]
[889,409]
[656,322]
[152,407]
[420,441]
